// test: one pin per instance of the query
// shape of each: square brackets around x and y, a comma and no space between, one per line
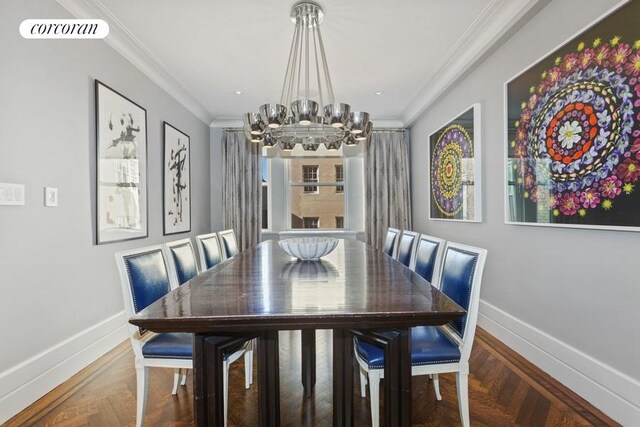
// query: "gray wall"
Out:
[54,282]
[579,286]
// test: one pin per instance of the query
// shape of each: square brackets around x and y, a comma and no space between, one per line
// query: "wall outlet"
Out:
[50,196]
[11,194]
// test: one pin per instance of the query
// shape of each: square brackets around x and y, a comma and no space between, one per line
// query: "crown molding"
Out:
[127,45]
[491,24]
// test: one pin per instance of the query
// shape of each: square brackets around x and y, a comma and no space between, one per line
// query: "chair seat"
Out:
[429,346]
[177,345]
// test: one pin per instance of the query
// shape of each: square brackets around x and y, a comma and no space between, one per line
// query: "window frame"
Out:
[318,184]
[316,189]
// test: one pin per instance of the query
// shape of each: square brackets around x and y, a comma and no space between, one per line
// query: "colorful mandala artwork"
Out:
[574,146]
[452,173]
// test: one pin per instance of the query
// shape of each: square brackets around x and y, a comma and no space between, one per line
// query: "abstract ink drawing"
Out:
[177,185]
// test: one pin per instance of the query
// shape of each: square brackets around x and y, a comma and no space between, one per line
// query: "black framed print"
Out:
[177,181]
[572,131]
[121,168]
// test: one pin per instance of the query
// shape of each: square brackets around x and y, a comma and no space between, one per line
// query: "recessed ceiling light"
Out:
[238,92]
[379,92]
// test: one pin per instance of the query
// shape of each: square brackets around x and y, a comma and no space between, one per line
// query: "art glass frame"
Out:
[121,167]
[454,153]
[572,130]
[176,181]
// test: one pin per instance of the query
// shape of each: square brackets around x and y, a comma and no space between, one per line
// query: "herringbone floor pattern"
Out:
[504,390]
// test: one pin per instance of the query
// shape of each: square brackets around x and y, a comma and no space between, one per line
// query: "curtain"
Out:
[387,191]
[241,188]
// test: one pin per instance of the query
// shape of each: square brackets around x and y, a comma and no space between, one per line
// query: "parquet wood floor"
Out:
[504,390]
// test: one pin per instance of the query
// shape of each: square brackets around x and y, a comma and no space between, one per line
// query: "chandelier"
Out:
[304,123]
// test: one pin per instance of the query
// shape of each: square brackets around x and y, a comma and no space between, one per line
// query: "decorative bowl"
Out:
[308,248]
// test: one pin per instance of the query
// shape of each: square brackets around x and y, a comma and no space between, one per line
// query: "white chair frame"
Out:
[396,241]
[142,364]
[171,263]
[201,252]
[437,268]
[415,235]
[460,368]
[221,235]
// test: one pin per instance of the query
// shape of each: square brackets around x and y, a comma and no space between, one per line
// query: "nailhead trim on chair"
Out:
[133,294]
[473,270]
[153,356]
[436,362]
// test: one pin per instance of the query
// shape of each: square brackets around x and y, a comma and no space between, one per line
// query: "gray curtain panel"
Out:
[387,192]
[241,188]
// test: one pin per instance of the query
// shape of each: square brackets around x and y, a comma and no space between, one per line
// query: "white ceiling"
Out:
[203,51]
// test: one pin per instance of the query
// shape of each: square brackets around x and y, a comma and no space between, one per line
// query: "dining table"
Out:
[356,290]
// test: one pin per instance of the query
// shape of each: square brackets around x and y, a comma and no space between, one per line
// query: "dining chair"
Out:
[436,349]
[144,278]
[209,250]
[390,241]
[406,247]
[228,243]
[427,258]
[181,261]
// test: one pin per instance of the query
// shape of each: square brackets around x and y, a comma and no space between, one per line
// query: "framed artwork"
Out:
[454,169]
[121,195]
[573,131]
[177,181]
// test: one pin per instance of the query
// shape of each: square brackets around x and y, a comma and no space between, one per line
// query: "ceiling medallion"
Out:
[304,123]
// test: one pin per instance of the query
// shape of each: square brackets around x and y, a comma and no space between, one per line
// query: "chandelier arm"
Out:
[300,61]
[292,78]
[290,63]
[326,68]
[306,40]
[315,51]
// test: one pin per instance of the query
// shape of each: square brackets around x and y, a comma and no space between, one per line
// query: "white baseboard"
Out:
[613,392]
[28,381]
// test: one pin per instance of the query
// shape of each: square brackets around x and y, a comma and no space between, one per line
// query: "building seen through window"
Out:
[320,205]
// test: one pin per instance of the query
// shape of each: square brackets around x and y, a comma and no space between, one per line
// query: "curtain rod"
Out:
[374,129]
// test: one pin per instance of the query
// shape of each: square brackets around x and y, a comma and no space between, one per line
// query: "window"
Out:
[311,222]
[324,200]
[339,178]
[339,222]
[310,174]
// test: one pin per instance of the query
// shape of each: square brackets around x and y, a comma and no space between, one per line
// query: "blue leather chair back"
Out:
[229,243]
[426,258]
[390,241]
[148,278]
[185,262]
[405,247]
[457,280]
[212,255]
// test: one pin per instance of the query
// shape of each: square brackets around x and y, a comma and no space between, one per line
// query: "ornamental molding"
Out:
[129,46]
[494,22]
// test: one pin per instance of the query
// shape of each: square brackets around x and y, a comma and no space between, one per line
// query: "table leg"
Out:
[397,378]
[268,379]
[208,376]
[308,360]
[342,378]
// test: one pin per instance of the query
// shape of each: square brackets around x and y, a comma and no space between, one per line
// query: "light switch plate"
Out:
[11,194]
[50,196]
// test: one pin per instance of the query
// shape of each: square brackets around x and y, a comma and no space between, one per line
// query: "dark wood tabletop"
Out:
[355,290]
[355,286]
